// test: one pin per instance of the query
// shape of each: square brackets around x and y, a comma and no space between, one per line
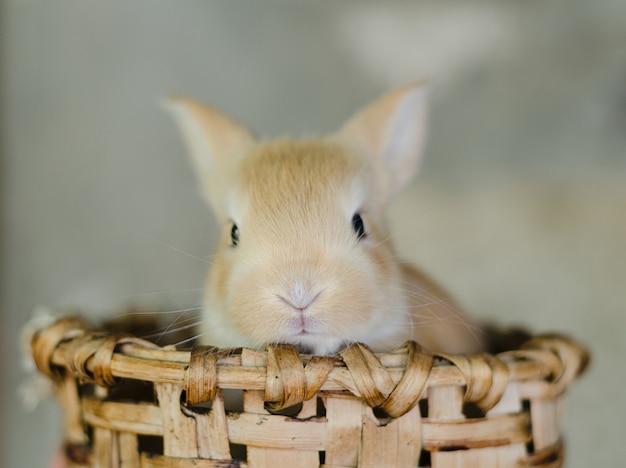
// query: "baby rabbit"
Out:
[304,255]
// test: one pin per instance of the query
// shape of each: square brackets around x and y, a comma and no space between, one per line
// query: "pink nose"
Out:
[301,306]
[299,297]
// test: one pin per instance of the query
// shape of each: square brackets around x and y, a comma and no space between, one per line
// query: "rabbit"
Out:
[304,255]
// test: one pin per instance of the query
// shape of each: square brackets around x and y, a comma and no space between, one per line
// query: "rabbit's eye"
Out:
[358,226]
[234,235]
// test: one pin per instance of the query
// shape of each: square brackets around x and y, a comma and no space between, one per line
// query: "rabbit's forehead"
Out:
[299,179]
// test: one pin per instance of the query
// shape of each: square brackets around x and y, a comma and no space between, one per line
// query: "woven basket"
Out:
[130,403]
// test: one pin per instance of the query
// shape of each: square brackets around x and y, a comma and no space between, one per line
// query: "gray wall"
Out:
[519,210]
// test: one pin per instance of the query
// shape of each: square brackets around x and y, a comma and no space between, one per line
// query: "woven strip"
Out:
[573,358]
[288,382]
[485,375]
[201,376]
[551,457]
[45,344]
[370,377]
[316,372]
[309,433]
[408,391]
[102,358]
[91,355]
[82,349]
[285,383]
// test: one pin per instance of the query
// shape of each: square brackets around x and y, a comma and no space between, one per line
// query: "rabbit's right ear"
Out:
[390,133]
[215,141]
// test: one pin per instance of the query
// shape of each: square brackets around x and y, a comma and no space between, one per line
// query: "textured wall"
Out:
[519,210]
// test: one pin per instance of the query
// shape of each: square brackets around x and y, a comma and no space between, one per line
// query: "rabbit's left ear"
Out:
[216,142]
[391,132]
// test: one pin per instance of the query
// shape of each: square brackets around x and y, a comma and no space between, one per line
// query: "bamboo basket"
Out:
[130,403]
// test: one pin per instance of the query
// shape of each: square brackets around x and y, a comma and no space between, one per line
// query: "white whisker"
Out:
[169,246]
[162,293]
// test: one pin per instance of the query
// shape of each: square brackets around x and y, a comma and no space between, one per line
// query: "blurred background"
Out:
[520,209]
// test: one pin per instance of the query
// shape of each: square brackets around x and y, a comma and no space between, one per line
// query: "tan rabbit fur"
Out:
[305,256]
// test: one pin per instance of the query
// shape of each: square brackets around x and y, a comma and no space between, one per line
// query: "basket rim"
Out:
[70,346]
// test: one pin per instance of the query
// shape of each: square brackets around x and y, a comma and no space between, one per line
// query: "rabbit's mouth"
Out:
[303,325]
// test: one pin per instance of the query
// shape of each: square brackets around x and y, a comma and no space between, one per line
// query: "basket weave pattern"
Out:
[429,410]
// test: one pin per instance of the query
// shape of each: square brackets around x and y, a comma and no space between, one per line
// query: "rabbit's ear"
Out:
[216,142]
[391,132]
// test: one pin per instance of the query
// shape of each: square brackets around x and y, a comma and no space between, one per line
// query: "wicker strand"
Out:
[410,388]
[485,375]
[316,372]
[103,357]
[574,358]
[82,349]
[201,376]
[46,342]
[370,377]
[285,383]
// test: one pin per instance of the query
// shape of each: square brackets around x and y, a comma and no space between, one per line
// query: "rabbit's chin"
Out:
[316,344]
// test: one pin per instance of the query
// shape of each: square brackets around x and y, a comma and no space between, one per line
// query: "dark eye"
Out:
[234,235]
[358,226]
